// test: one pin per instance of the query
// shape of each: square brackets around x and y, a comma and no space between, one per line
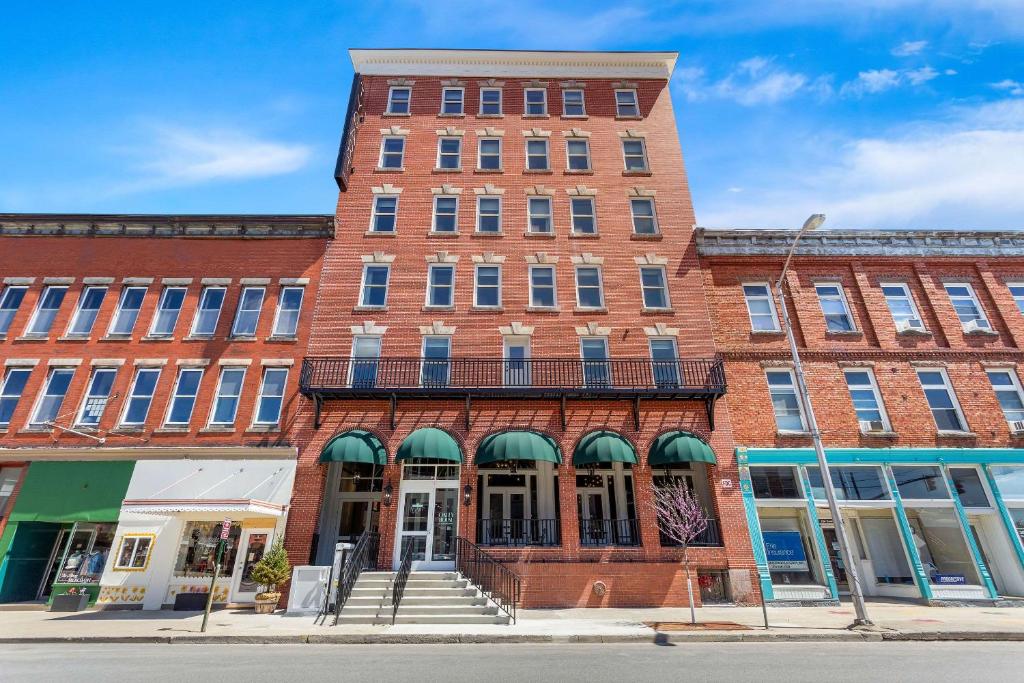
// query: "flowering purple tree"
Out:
[680,517]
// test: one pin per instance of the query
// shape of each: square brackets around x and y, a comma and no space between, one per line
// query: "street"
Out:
[764,662]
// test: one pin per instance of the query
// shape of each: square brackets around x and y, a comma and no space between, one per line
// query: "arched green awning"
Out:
[517,445]
[603,446]
[677,447]
[429,443]
[355,445]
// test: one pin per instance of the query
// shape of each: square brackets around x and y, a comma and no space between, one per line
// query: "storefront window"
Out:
[86,553]
[968,487]
[8,480]
[774,482]
[1017,515]
[920,483]
[197,553]
[885,548]
[134,552]
[1010,480]
[789,546]
[940,541]
[850,483]
[360,477]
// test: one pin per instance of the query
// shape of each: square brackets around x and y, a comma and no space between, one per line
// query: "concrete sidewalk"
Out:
[894,622]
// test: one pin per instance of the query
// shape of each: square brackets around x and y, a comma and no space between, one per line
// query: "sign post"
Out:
[225,532]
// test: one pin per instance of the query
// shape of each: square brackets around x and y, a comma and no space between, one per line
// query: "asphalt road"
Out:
[763,662]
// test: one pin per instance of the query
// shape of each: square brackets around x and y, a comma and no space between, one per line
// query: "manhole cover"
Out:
[699,626]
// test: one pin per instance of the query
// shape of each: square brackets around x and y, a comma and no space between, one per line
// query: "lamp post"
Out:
[852,573]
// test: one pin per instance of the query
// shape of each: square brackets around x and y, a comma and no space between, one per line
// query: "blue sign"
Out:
[785,551]
[949,579]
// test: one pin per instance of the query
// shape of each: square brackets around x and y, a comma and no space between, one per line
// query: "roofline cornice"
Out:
[248,226]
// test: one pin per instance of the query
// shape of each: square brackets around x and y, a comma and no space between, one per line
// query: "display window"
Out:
[790,546]
[134,552]
[775,482]
[942,546]
[85,554]
[879,541]
[197,552]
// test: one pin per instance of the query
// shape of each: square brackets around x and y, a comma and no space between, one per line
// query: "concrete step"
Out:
[412,575]
[426,619]
[412,583]
[410,610]
[417,600]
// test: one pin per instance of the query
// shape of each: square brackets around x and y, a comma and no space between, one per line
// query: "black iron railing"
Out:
[499,583]
[401,578]
[712,537]
[598,532]
[518,532]
[362,555]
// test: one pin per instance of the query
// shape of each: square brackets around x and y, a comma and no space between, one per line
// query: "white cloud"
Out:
[1013,87]
[754,81]
[910,47]
[871,82]
[922,75]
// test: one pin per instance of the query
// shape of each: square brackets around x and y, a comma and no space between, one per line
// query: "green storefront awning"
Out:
[517,445]
[602,447]
[429,443]
[73,491]
[678,447]
[355,445]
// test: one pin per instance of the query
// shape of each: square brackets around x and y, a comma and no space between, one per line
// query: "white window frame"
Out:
[119,311]
[355,359]
[664,288]
[476,285]
[262,395]
[568,163]
[218,395]
[160,308]
[1017,299]
[374,213]
[972,295]
[448,359]
[5,386]
[193,332]
[636,103]
[174,396]
[554,286]
[909,297]
[600,286]
[583,103]
[455,214]
[363,286]
[526,373]
[480,154]
[479,214]
[842,298]
[79,308]
[1015,385]
[950,391]
[458,154]
[380,159]
[876,393]
[654,215]
[430,285]
[444,100]
[29,331]
[123,421]
[651,341]
[274,331]
[771,305]
[501,97]
[96,371]
[34,420]
[593,214]
[643,156]
[238,311]
[530,214]
[135,540]
[796,394]
[587,363]
[528,155]
[526,102]
[8,291]
[391,100]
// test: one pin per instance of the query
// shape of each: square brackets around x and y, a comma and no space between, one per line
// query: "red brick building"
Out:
[511,342]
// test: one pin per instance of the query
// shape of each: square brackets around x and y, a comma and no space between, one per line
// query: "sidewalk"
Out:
[895,622]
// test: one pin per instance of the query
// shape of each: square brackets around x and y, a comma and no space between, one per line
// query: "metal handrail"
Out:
[401,578]
[710,537]
[601,532]
[499,583]
[365,548]
[518,532]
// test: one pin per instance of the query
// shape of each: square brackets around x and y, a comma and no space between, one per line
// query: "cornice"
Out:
[166,225]
[857,355]
[31,453]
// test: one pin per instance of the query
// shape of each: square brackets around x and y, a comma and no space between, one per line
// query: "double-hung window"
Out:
[392,152]
[183,400]
[760,307]
[542,287]
[968,308]
[271,398]
[365,359]
[385,213]
[488,214]
[489,154]
[573,103]
[136,408]
[46,310]
[594,356]
[97,394]
[398,100]
[286,323]
[446,213]
[449,153]
[211,301]
[1007,387]
[167,312]
[589,292]
[10,392]
[645,221]
[127,313]
[490,101]
[88,308]
[248,314]
[375,286]
[436,361]
[539,219]
[52,397]
[942,400]
[487,290]
[1016,291]
[625,104]
[535,102]
[577,154]
[834,307]
[867,401]
[441,285]
[654,286]
[634,155]
[537,157]
[225,402]
[665,362]
[10,302]
[789,415]
[452,101]
[584,219]
[902,307]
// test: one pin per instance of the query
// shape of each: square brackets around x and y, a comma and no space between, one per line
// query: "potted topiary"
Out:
[272,570]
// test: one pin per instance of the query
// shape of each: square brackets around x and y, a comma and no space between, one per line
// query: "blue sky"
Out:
[880,113]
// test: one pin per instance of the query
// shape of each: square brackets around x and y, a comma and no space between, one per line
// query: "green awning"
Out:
[517,445]
[429,443]
[75,491]
[603,446]
[355,445]
[677,447]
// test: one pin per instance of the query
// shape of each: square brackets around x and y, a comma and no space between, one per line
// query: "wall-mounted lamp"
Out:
[467,494]
[388,490]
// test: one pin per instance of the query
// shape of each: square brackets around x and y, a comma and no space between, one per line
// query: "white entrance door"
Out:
[428,517]
[595,524]
[252,545]
[508,510]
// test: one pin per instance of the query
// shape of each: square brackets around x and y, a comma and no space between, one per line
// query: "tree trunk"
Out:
[689,585]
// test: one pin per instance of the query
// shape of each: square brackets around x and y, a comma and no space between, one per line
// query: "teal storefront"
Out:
[933,524]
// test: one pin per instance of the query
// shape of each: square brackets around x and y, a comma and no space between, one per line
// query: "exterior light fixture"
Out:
[467,494]
[388,490]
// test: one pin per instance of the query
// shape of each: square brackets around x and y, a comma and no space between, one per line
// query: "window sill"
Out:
[852,334]
[149,338]
[537,171]
[656,311]
[543,309]
[171,430]
[574,117]
[198,337]
[579,171]
[1016,435]
[282,339]
[647,237]
[218,430]
[767,333]
[437,308]
[128,429]
[33,338]
[884,434]
[263,429]
[500,233]
[242,338]
[583,235]
[489,170]
[914,333]
[536,116]
[785,434]
[395,115]
[381,169]
[115,338]
[442,234]
[955,434]
[378,233]
[487,309]
[981,333]
[539,235]
[437,170]
[442,115]
[490,116]
[41,429]
[365,309]
[642,174]
[636,117]
[74,338]
[588,309]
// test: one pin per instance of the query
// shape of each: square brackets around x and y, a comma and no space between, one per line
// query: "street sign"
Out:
[225,530]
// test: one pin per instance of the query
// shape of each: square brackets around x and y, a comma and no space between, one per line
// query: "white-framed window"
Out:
[52,396]
[133,552]
[127,313]
[902,307]
[140,397]
[634,154]
[539,215]
[789,414]
[399,98]
[535,102]
[832,300]
[488,214]
[487,286]
[452,100]
[489,154]
[584,215]
[1006,386]
[1016,291]
[225,400]
[543,293]
[664,361]
[88,308]
[760,307]
[490,101]
[440,285]
[654,286]
[271,397]
[374,291]
[365,359]
[594,356]
[167,312]
[10,392]
[537,156]
[46,310]
[211,302]
[626,103]
[577,154]
[645,219]
[867,400]
[436,368]
[446,213]
[938,391]
[392,152]
[384,216]
[247,317]
[10,302]
[968,308]
[589,292]
[517,370]
[449,153]
[289,305]
[97,394]
[183,398]
[573,103]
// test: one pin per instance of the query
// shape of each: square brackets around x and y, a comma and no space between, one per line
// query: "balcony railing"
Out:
[601,532]
[712,537]
[518,532]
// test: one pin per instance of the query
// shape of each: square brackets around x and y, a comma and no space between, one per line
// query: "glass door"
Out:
[428,520]
[593,516]
[507,514]
[254,544]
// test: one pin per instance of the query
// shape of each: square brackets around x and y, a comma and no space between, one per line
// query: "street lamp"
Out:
[852,573]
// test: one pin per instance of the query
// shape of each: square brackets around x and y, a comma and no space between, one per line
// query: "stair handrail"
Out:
[499,583]
[401,578]
[365,548]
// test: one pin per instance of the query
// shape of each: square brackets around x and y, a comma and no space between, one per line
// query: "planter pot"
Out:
[69,603]
[267,603]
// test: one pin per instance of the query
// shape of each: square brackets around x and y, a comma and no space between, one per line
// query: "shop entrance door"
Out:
[835,559]
[252,546]
[428,519]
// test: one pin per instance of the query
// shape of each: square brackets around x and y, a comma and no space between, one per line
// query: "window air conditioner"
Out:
[908,324]
[1017,426]
[874,426]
